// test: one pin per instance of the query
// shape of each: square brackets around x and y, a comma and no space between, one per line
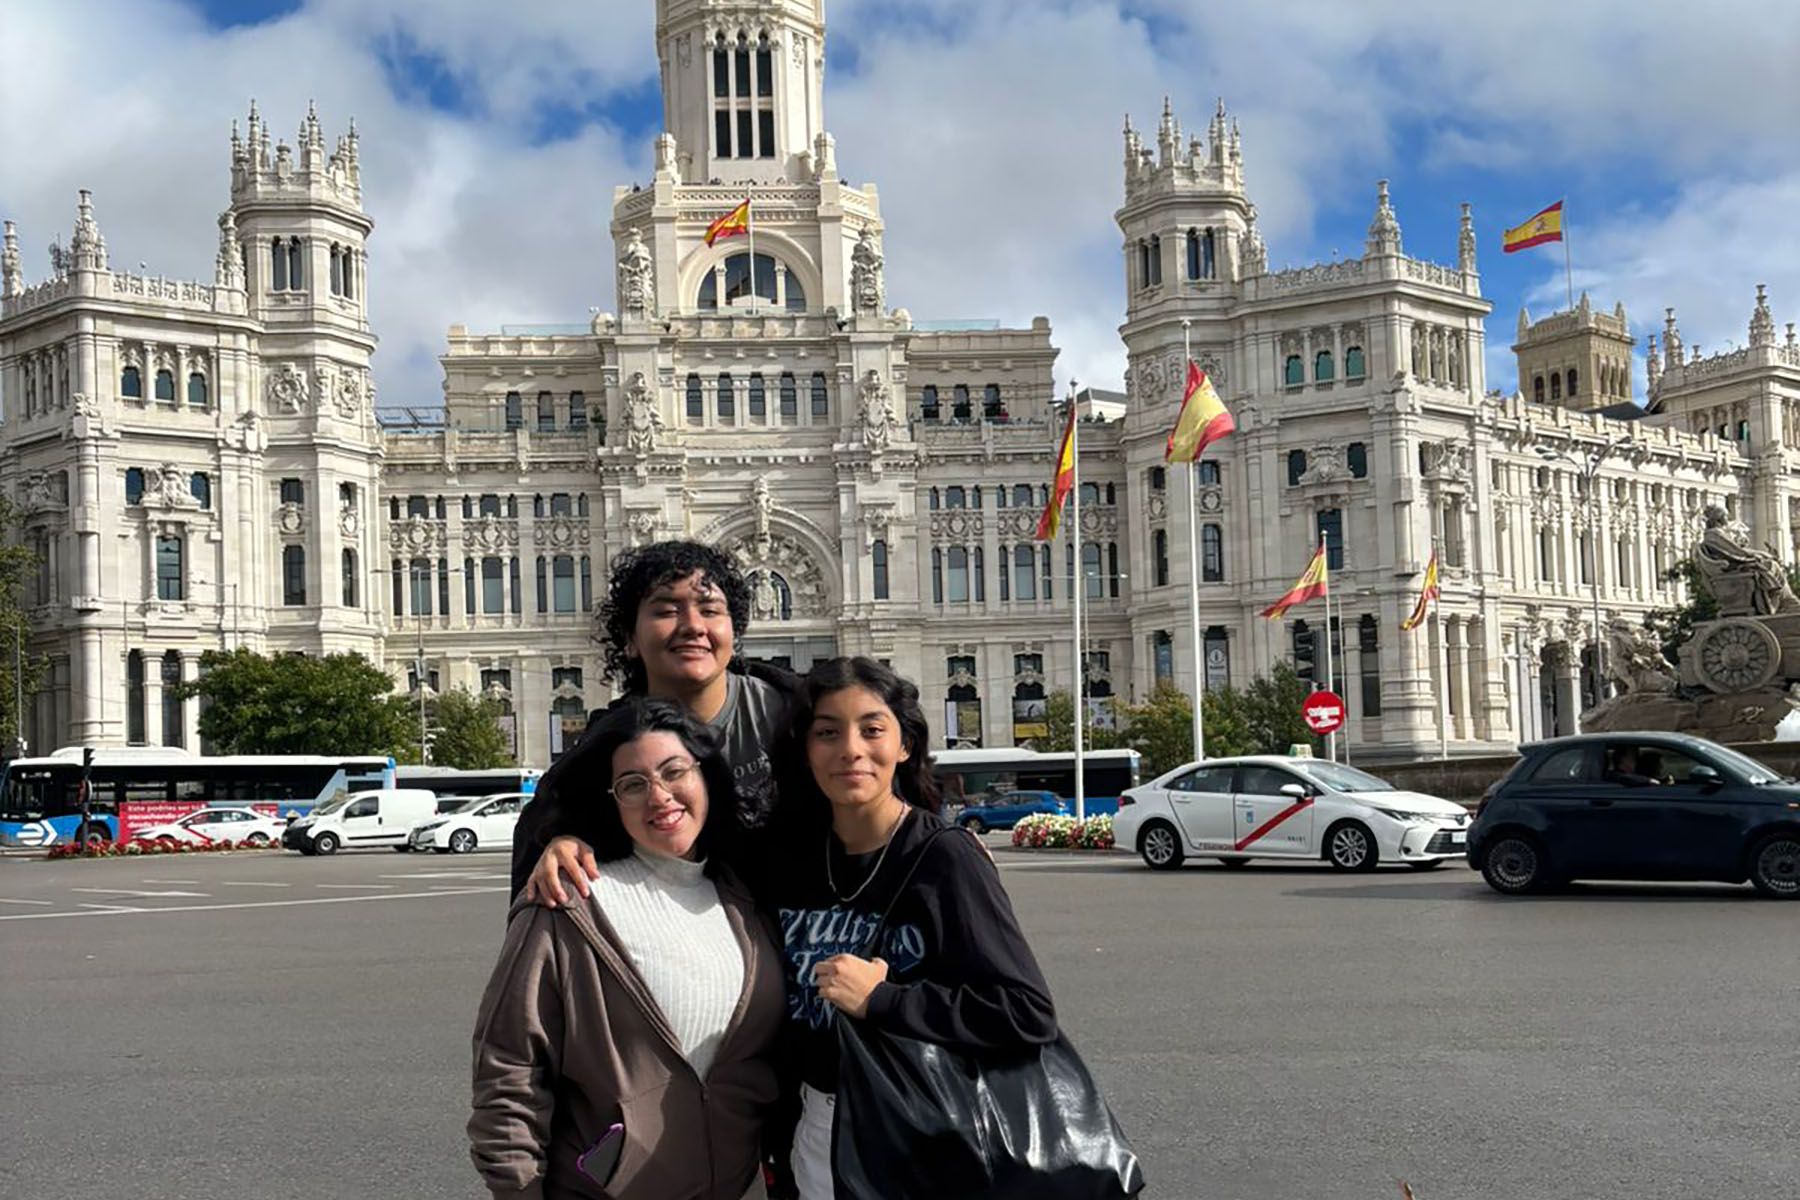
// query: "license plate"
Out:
[1458,837]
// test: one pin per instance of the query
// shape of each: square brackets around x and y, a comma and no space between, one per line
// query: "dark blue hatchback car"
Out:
[1638,806]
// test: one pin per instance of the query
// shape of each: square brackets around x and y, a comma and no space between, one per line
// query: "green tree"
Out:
[1162,728]
[466,732]
[1059,715]
[1272,705]
[20,672]
[295,704]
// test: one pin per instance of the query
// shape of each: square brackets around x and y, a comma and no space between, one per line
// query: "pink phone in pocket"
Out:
[600,1160]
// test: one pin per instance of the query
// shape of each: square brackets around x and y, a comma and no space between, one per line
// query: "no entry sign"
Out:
[1323,712]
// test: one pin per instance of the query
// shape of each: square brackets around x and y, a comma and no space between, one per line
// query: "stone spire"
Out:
[1216,136]
[228,267]
[1762,322]
[1134,148]
[312,140]
[1237,145]
[1652,367]
[87,249]
[1167,141]
[1524,322]
[1671,340]
[1256,255]
[257,139]
[1384,230]
[10,282]
[1465,242]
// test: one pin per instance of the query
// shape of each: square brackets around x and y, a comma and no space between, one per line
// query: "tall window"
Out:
[165,386]
[1331,532]
[1537,388]
[937,576]
[200,485]
[171,576]
[1358,459]
[587,584]
[1212,554]
[562,575]
[978,568]
[350,584]
[1155,259]
[196,390]
[1162,656]
[1208,472]
[1296,466]
[1555,386]
[928,403]
[1573,391]
[1355,366]
[546,413]
[878,559]
[743,89]
[1322,367]
[964,723]
[790,399]
[468,573]
[1369,643]
[1094,585]
[1049,578]
[134,698]
[278,266]
[992,408]
[1216,647]
[397,575]
[1159,479]
[1159,552]
[956,497]
[727,403]
[821,399]
[1024,572]
[1294,374]
[418,576]
[515,411]
[131,383]
[518,593]
[174,728]
[759,406]
[959,408]
[296,266]
[958,590]
[696,400]
[1585,553]
[293,575]
[578,418]
[134,485]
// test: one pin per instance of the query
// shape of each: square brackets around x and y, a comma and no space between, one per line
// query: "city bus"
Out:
[967,775]
[454,786]
[131,789]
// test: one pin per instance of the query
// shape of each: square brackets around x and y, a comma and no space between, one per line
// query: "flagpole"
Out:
[1568,262]
[750,226]
[1076,585]
[1443,657]
[1325,573]
[1193,524]
[1344,742]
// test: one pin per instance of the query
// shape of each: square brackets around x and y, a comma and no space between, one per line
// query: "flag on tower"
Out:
[731,224]
[1059,488]
[1203,419]
[1546,226]
[1312,584]
[1428,595]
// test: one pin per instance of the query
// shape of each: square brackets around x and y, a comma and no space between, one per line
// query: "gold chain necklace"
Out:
[873,871]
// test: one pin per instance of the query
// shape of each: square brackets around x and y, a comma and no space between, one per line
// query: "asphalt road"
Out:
[262,1025]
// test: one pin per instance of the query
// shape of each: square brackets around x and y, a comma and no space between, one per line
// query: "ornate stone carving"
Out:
[488,533]
[878,519]
[878,420]
[43,491]
[347,394]
[287,388]
[348,520]
[418,534]
[762,505]
[643,423]
[1324,465]
[1636,660]
[561,533]
[867,291]
[1446,462]
[290,518]
[637,278]
[642,524]
[763,559]
[167,487]
[1746,581]
[228,266]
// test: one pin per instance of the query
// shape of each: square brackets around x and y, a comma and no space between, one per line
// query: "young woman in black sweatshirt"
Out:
[858,809]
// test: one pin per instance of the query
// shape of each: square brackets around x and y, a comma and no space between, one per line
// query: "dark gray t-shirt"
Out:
[748,724]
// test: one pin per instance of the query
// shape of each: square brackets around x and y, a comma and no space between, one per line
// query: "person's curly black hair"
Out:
[638,572]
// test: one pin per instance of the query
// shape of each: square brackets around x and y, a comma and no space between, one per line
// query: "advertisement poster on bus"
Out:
[136,815]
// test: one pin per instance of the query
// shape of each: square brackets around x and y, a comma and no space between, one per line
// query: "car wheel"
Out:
[462,841]
[1430,864]
[258,839]
[1775,866]
[1515,864]
[325,843]
[1350,846]
[974,825]
[1235,862]
[1161,846]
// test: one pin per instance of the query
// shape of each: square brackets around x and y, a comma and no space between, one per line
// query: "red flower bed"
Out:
[137,846]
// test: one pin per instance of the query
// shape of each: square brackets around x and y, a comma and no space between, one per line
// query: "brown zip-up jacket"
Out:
[569,1041]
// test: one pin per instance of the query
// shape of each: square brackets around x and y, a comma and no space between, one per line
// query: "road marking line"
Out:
[172,908]
[353,885]
[239,883]
[443,875]
[10,900]
[134,892]
[168,881]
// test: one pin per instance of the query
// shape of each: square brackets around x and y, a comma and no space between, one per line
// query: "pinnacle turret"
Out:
[1465,242]
[1384,229]
[11,281]
[1762,322]
[87,249]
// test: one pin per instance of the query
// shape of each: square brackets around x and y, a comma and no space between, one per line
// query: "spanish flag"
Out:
[1311,585]
[731,224]
[1545,227]
[1203,419]
[1428,595]
[1065,479]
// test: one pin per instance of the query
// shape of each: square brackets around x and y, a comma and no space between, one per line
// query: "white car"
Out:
[486,821]
[1236,809]
[217,825]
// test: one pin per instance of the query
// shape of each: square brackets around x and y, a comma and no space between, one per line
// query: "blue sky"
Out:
[493,136]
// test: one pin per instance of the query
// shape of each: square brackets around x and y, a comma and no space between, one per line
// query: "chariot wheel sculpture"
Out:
[1738,654]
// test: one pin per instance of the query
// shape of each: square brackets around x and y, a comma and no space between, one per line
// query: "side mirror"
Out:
[1705,777]
[1296,790]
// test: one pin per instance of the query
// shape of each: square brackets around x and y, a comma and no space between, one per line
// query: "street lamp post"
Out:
[1590,472]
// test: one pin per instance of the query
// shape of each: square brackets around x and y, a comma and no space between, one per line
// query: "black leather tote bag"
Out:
[915,1120]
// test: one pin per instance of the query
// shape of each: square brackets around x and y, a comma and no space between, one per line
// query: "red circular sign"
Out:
[1323,712]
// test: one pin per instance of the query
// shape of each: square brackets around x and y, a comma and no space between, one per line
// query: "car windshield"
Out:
[464,805]
[331,806]
[1746,766]
[1340,778]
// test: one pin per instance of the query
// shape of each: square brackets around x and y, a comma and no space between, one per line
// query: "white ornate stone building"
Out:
[878,477]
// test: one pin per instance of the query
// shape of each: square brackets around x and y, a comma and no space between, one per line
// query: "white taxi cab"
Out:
[1236,809]
[485,822]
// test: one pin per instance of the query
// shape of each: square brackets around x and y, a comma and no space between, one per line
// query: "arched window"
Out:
[515,411]
[1555,386]
[171,575]
[821,399]
[1573,390]
[759,405]
[978,568]
[727,401]
[1358,459]
[738,285]
[546,413]
[1155,259]
[134,698]
[956,497]
[1021,496]
[201,488]
[196,397]
[960,404]
[696,400]
[293,575]
[1537,388]
[174,728]
[1322,372]
[790,399]
[165,386]
[1212,554]
[1296,464]
[937,576]
[1294,375]
[131,383]
[1024,572]
[349,273]
[1143,263]
[278,263]
[1208,472]
[935,502]
[958,590]
[350,584]
[976,501]
[562,578]
[1090,494]
[296,271]
[134,485]
[337,271]
[991,406]
[928,402]
[1355,366]
[578,410]
[1208,248]
[1159,552]
[543,583]
[1193,254]
[1159,479]
[878,560]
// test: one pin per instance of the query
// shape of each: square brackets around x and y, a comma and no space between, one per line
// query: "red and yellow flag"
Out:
[1428,595]
[1203,419]
[1546,226]
[1311,585]
[1059,488]
[732,224]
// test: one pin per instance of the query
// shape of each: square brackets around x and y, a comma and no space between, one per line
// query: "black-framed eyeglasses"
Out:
[633,790]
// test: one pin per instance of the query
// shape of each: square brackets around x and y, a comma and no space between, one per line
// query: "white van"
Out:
[382,818]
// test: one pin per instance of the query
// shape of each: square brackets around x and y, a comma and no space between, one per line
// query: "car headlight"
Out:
[1404,817]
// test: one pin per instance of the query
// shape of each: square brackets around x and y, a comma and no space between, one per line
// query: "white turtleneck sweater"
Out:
[672,924]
